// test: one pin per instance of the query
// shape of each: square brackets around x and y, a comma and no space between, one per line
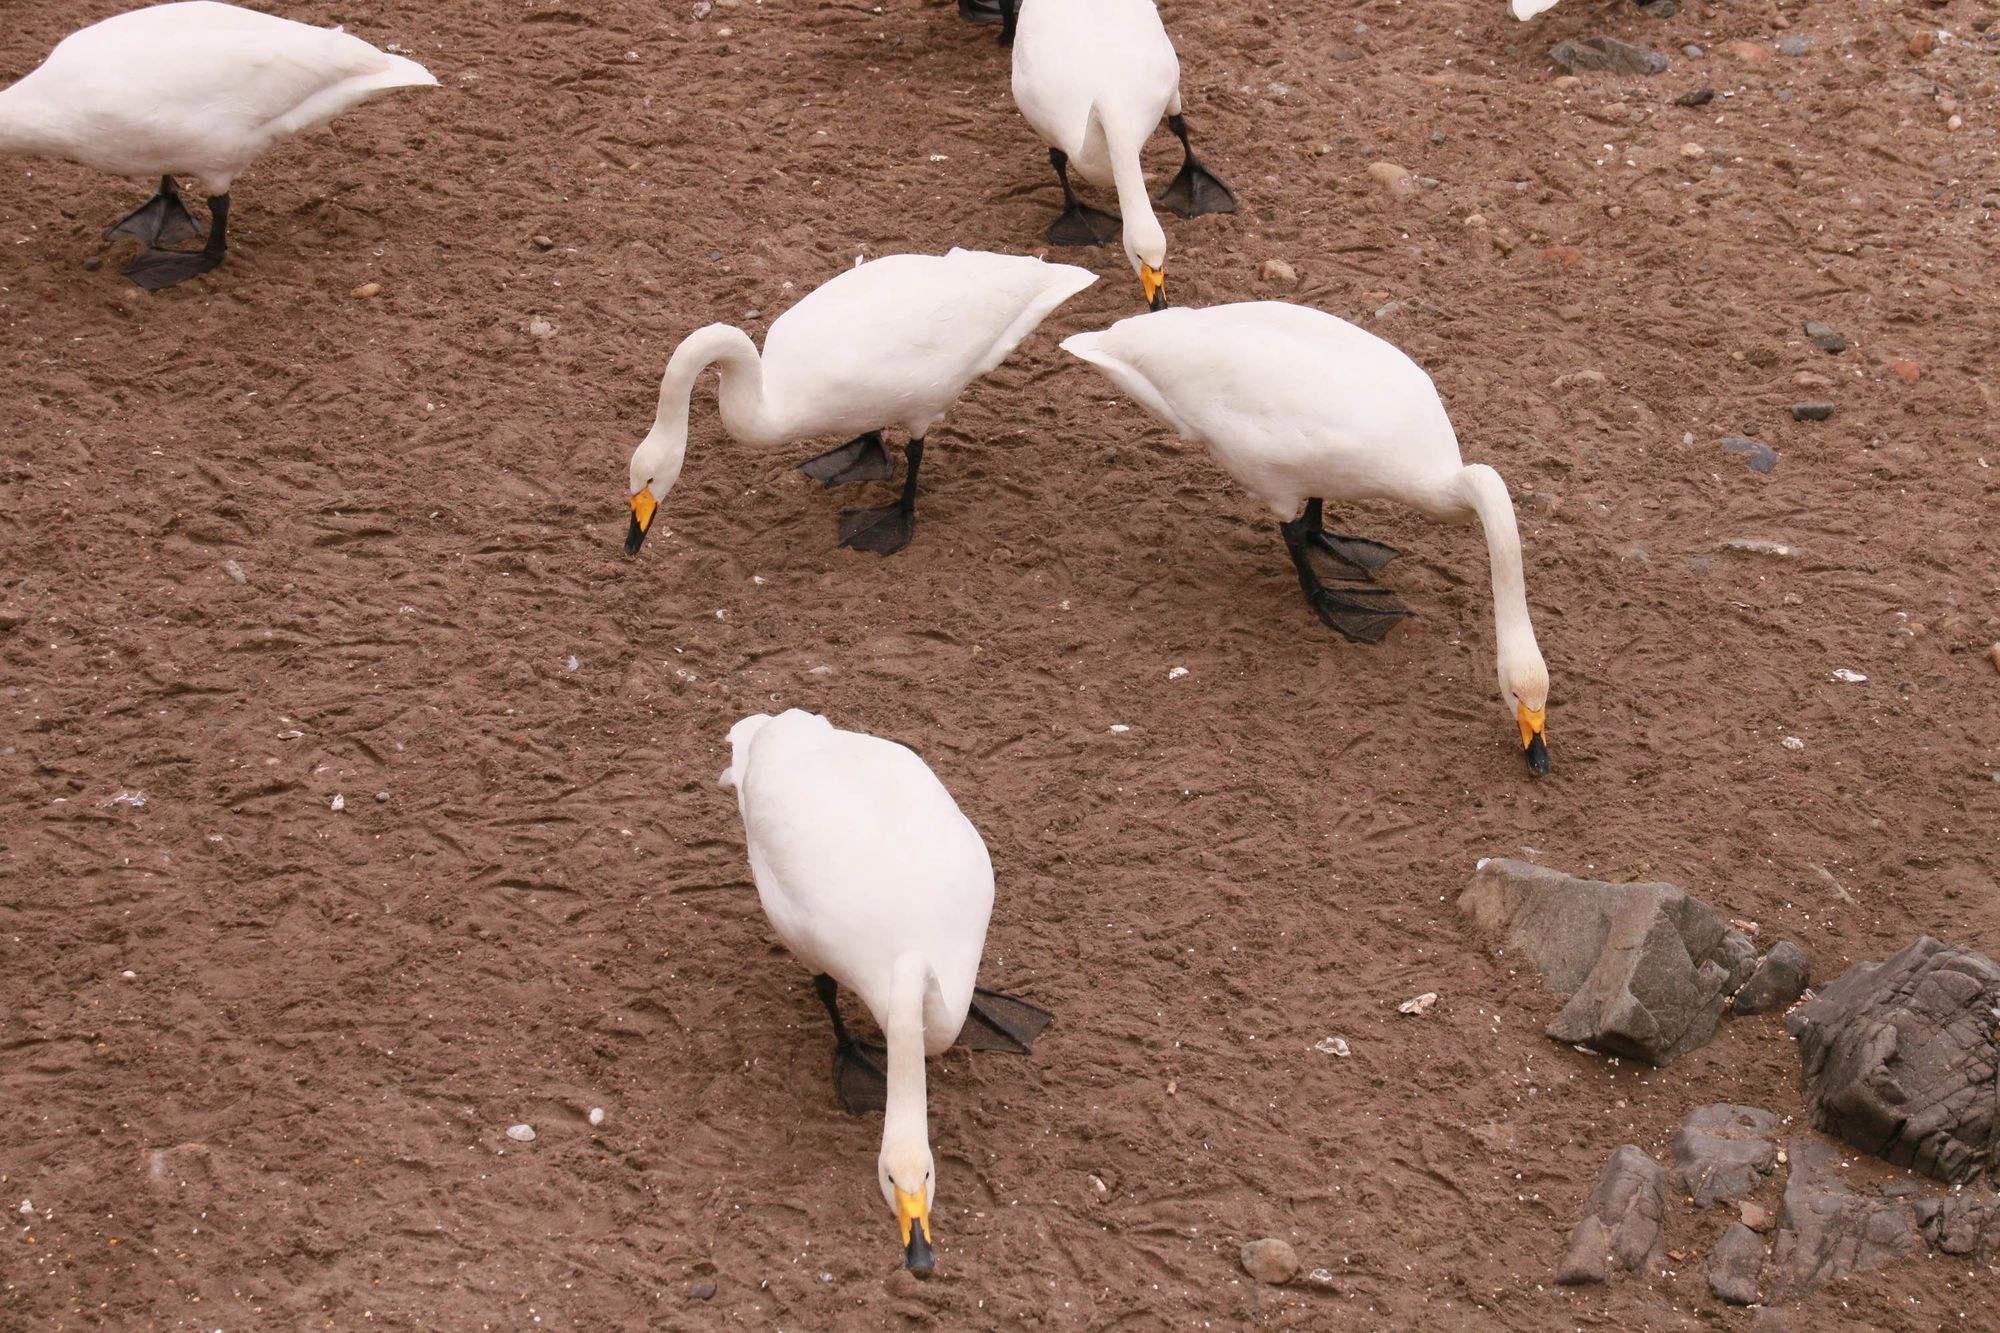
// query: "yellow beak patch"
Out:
[911,1210]
[1532,720]
[644,506]
[1152,281]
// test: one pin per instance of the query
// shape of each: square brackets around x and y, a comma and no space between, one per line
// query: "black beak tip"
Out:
[918,1255]
[1538,757]
[635,537]
[1159,301]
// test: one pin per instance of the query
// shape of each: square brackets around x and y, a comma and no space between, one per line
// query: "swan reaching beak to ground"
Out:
[888,344]
[876,882]
[1094,77]
[198,89]
[1302,408]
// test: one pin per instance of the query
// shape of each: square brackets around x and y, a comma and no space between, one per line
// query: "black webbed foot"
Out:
[1001,1022]
[1354,607]
[1080,224]
[859,1083]
[860,459]
[158,269]
[1363,614]
[1355,552]
[161,220]
[1195,190]
[883,529]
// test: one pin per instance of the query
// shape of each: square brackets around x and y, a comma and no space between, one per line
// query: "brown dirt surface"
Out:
[291,1114]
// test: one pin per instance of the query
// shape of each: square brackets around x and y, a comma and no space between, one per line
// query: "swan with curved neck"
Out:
[199,89]
[1094,77]
[890,344]
[1302,408]
[876,882]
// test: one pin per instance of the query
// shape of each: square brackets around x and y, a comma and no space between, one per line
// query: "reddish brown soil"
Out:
[333,1016]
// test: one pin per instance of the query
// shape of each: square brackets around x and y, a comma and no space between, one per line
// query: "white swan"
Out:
[1301,407]
[1527,9]
[1094,77]
[875,881]
[198,89]
[888,344]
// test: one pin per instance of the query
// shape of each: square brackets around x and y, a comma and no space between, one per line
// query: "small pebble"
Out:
[1098,1187]
[1270,1260]
[235,572]
[1922,43]
[596,1116]
[1333,1046]
[1759,546]
[541,328]
[129,975]
[92,263]
[1848,676]
[1418,1004]
[1177,673]
[1755,1216]
[544,243]
[338,802]
[366,290]
[1397,180]
[1907,371]
[1699,97]
[1279,272]
[1793,743]
[1761,457]
[1693,52]
[28,1207]
[1812,411]
[521,1133]
[382,797]
[702,1291]
[1792,44]
[1119,728]
[1825,337]
[571,662]
[1691,151]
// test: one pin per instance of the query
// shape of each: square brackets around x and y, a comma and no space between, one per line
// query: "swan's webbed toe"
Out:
[1196,190]
[998,1021]
[883,529]
[1362,614]
[156,270]
[1356,552]
[860,459]
[163,219]
[1080,224]
[859,1083]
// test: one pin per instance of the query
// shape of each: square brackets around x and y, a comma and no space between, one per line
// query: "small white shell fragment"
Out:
[338,802]
[1176,673]
[28,1205]
[1850,677]
[1333,1046]
[1097,1184]
[129,975]
[1418,1004]
[521,1133]
[1793,743]
[1119,728]
[596,1116]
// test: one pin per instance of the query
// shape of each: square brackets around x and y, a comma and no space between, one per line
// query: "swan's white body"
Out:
[198,89]
[1094,78]
[869,873]
[888,344]
[1527,9]
[1296,404]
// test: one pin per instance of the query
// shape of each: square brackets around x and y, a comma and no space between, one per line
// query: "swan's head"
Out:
[1146,248]
[656,466]
[909,1185]
[1524,684]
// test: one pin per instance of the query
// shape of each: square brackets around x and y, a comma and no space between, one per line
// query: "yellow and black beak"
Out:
[1534,737]
[913,1215]
[1154,283]
[644,506]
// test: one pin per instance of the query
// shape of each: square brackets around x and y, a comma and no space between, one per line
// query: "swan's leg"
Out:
[1001,1022]
[1009,12]
[1359,610]
[885,529]
[858,1080]
[1195,190]
[981,11]
[155,269]
[1078,223]
[163,218]
[860,459]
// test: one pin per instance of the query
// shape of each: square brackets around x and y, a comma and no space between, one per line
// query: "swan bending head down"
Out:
[1146,250]
[909,1186]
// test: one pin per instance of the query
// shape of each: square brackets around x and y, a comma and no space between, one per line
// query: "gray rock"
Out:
[1620,1230]
[1607,53]
[1761,457]
[1825,337]
[1900,1059]
[701,1291]
[1641,965]
[1737,952]
[1736,1265]
[1696,97]
[1793,44]
[1723,1153]
[1693,52]
[1967,1225]
[1813,411]
[1270,1261]
[1781,977]
[1831,1231]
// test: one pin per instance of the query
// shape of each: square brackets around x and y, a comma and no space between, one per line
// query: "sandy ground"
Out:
[257,1055]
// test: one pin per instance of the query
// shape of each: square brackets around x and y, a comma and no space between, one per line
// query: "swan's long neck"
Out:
[907,1117]
[1514,636]
[740,397]
[1128,172]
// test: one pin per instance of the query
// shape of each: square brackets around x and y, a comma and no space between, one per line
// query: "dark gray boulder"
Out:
[1723,1153]
[1620,1230]
[1642,966]
[1738,953]
[1963,1224]
[1781,977]
[1900,1059]
[1737,1265]
[1832,1232]
[1588,54]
